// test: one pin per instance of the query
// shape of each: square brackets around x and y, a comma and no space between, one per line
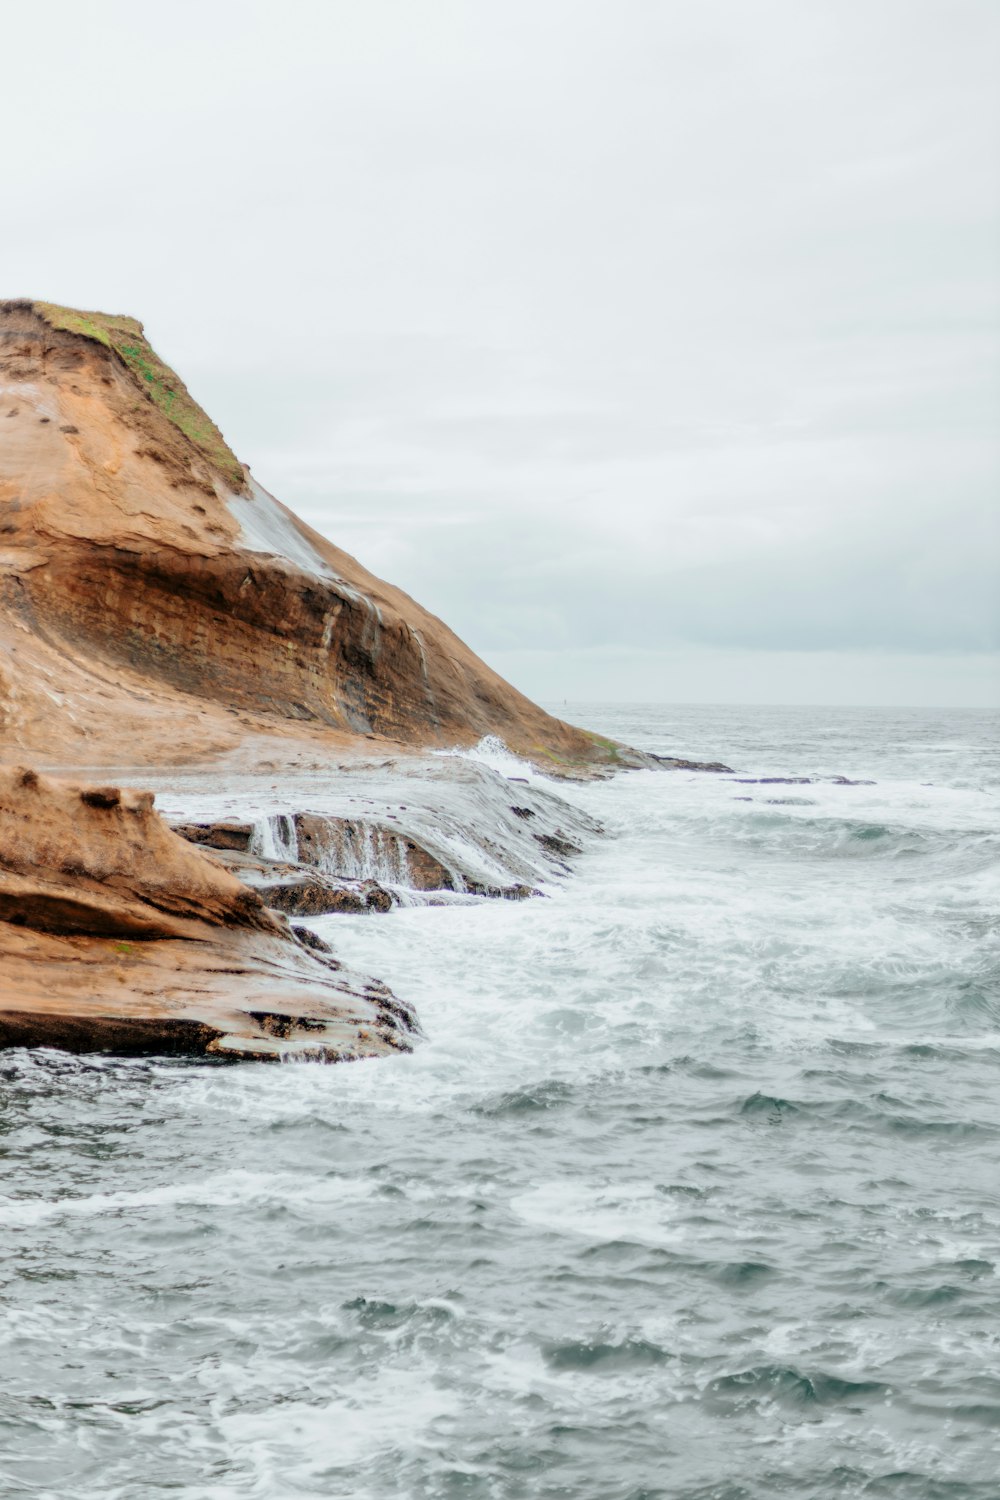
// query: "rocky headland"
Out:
[146,579]
[167,623]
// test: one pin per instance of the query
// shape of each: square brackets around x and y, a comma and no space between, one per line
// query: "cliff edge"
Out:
[157,605]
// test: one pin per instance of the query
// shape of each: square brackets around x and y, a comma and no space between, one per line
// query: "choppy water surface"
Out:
[692,1191]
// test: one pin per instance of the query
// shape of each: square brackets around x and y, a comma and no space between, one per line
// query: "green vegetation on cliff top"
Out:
[125,338]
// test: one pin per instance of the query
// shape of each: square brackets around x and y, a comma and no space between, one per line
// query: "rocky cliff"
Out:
[157,604]
[158,607]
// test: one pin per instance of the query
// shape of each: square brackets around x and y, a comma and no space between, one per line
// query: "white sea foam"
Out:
[275,837]
[492,751]
[602,1211]
[702,1144]
[222,1190]
[298,1441]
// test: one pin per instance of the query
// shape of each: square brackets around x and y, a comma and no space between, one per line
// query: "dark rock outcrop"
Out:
[310,895]
[799,781]
[676,764]
[221,835]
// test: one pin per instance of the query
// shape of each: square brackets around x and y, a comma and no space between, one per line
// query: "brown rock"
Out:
[556,844]
[157,607]
[221,835]
[338,845]
[100,796]
[311,895]
[151,593]
[116,935]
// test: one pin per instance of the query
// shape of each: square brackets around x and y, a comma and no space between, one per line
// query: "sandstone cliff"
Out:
[158,607]
[156,604]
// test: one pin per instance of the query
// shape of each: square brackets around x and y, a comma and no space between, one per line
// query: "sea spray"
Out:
[690,1189]
[274,837]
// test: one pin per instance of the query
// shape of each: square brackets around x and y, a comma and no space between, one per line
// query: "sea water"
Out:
[692,1190]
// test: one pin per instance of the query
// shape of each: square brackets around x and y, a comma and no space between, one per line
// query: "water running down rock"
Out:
[153,596]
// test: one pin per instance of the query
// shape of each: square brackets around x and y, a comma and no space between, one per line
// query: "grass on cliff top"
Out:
[125,338]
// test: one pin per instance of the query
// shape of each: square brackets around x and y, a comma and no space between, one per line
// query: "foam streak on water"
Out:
[691,1192]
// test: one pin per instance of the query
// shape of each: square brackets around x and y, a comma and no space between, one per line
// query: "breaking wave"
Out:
[690,1190]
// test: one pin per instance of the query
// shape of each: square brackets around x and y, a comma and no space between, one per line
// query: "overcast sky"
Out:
[653,344]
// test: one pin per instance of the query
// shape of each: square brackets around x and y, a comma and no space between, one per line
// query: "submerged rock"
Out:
[774,780]
[312,896]
[283,884]
[799,781]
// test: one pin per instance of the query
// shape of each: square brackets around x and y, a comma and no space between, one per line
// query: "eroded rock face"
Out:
[285,885]
[414,824]
[117,935]
[352,848]
[158,608]
[153,595]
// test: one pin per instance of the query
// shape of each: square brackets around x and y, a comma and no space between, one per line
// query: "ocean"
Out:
[691,1191]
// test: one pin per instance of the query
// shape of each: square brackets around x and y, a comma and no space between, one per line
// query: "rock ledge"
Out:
[117,935]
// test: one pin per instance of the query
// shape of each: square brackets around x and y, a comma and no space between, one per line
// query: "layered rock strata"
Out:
[117,935]
[152,593]
[158,608]
[409,824]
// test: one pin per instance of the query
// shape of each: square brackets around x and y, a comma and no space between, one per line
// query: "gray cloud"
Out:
[602,329]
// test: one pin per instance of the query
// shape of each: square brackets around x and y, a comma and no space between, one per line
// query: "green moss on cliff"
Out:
[125,338]
[611,748]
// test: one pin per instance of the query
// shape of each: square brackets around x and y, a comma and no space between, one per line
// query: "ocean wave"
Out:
[600,1356]
[545,1095]
[698,1160]
[879,1110]
[237,1189]
[493,752]
[788,1386]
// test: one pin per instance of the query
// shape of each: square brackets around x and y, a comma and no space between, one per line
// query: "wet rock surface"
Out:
[151,592]
[557,843]
[674,763]
[155,601]
[118,936]
[375,834]
[222,835]
[286,885]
